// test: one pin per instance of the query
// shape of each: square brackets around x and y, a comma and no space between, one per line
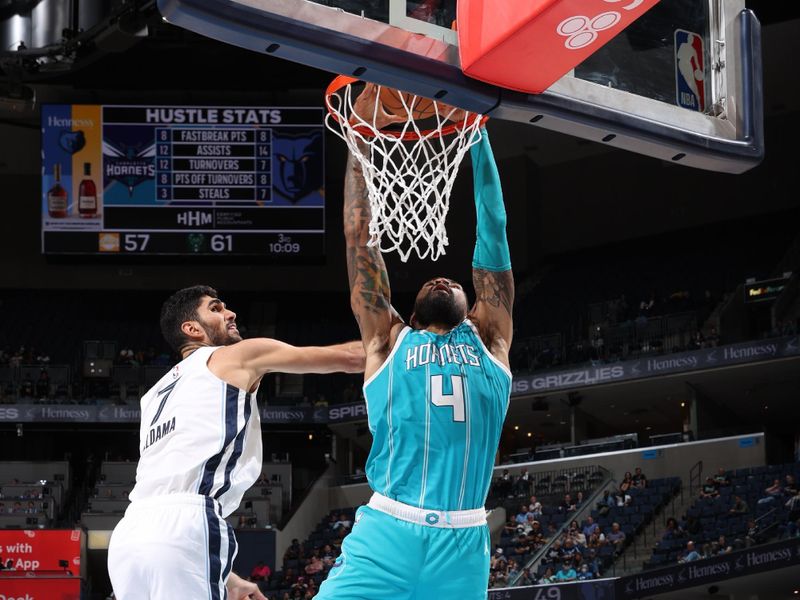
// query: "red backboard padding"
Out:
[527,45]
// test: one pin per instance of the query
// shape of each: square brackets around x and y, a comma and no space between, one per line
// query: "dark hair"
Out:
[181,307]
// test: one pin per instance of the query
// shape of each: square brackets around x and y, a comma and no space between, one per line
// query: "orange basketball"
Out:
[420,108]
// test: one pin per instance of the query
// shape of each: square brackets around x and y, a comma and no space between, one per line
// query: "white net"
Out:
[409,171]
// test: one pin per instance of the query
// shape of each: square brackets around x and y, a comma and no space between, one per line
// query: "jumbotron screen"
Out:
[178,180]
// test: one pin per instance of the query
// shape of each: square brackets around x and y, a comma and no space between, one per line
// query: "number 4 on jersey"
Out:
[456,399]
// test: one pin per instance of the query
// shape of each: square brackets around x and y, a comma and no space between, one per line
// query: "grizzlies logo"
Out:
[297,164]
[72,141]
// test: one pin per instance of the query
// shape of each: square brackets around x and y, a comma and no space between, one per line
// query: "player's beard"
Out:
[224,337]
[438,309]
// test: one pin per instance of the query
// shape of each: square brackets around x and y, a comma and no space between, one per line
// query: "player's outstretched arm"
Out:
[244,363]
[491,263]
[370,294]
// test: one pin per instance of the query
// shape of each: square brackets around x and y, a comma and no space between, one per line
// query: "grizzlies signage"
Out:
[183,180]
[270,415]
[709,358]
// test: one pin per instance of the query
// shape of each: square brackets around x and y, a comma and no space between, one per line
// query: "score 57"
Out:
[136,242]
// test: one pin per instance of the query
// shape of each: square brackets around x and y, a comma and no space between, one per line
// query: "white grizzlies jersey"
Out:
[199,435]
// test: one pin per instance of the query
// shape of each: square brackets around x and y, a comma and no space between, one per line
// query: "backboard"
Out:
[682,83]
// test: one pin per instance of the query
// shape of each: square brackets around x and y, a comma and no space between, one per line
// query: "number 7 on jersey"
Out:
[456,399]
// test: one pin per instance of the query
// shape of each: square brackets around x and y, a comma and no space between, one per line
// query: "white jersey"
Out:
[199,435]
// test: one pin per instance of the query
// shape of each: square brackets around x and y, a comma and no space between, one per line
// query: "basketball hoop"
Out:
[409,169]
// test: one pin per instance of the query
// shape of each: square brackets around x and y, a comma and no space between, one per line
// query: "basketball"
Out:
[393,101]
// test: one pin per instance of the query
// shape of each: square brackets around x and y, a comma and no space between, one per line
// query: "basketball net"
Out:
[409,171]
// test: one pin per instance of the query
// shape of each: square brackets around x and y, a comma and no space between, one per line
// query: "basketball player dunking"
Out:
[437,392]
[200,446]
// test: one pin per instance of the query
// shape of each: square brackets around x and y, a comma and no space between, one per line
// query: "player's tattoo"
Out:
[365,267]
[496,288]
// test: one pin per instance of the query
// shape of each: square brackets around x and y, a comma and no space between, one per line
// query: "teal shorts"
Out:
[387,558]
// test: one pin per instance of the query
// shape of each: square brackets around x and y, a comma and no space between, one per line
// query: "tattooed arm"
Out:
[370,295]
[491,263]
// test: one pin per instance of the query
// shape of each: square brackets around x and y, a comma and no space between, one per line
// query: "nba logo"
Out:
[690,70]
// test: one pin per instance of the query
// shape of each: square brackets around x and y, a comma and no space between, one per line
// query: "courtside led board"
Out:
[623,95]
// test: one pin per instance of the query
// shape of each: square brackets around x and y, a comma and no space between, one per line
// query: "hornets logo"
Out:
[297,164]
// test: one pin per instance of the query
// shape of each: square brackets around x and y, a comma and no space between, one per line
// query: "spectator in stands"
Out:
[567,504]
[314,565]
[690,554]
[260,572]
[17,508]
[723,547]
[522,485]
[790,486]
[579,500]
[504,483]
[526,578]
[26,389]
[535,507]
[328,556]
[627,483]
[554,552]
[590,527]
[567,573]
[607,502]
[772,493]
[596,540]
[616,537]
[739,506]
[498,560]
[43,385]
[672,529]
[343,521]
[639,479]
[793,505]
[293,551]
[721,478]
[709,489]
[522,515]
[584,573]
[548,576]
[30,509]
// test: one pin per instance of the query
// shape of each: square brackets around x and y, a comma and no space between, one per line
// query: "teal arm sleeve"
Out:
[491,244]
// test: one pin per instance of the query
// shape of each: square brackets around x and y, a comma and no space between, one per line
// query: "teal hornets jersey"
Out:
[436,409]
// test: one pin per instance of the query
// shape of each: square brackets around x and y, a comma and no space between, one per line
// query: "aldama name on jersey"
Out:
[430,353]
[158,432]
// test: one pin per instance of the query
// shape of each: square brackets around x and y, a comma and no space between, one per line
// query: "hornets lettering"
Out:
[159,432]
[447,354]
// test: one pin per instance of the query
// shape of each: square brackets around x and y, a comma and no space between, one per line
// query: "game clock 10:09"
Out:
[176,180]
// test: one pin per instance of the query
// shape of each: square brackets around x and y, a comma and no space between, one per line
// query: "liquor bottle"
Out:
[57,196]
[87,194]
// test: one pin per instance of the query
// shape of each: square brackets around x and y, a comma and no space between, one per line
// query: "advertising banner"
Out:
[68,413]
[654,366]
[700,572]
[39,588]
[42,549]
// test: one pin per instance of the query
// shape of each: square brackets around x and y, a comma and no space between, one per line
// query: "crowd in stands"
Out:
[544,525]
[305,565]
[733,510]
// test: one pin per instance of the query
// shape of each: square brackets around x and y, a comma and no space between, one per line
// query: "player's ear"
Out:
[192,330]
[413,321]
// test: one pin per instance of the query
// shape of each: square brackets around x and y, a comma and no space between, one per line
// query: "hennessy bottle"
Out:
[87,194]
[57,196]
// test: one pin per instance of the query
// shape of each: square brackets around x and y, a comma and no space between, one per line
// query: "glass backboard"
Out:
[682,83]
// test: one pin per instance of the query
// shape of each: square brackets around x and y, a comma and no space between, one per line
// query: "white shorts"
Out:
[169,547]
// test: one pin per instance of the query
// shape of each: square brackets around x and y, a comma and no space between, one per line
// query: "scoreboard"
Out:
[177,180]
